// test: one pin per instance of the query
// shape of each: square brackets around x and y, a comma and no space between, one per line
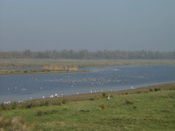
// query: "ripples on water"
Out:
[25,87]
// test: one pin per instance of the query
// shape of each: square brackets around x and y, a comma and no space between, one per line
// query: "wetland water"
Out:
[26,87]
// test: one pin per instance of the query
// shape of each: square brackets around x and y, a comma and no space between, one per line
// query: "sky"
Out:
[40,25]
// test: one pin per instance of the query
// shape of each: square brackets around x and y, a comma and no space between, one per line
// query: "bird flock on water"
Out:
[92,81]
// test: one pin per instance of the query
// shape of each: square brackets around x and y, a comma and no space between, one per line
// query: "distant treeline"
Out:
[85,54]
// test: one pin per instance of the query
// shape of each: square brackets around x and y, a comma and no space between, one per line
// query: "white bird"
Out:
[91,91]
[56,95]
[77,93]
[109,97]
[51,96]
[43,97]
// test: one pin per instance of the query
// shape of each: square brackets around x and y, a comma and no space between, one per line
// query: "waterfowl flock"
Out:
[97,81]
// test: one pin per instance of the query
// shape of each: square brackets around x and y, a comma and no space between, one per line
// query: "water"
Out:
[26,87]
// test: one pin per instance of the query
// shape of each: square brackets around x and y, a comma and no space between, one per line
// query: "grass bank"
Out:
[25,72]
[33,63]
[148,108]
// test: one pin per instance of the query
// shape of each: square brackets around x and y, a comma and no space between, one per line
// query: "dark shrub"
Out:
[171,89]
[129,102]
[14,105]
[138,92]
[3,106]
[111,96]
[59,103]
[91,99]
[157,89]
[39,113]
[104,94]
[25,71]
[84,110]
[64,101]
[151,90]
[28,105]
[46,103]
[134,107]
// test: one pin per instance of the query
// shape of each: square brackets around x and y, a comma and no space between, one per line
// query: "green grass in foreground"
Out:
[154,110]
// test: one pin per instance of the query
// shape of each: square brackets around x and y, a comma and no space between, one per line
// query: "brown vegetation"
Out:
[14,124]
[60,68]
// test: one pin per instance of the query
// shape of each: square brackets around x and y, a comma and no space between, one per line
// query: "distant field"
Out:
[25,72]
[151,108]
[30,63]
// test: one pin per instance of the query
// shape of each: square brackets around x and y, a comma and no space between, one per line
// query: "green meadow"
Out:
[150,109]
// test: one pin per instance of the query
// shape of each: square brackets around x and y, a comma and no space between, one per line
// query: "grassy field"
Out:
[149,108]
[29,63]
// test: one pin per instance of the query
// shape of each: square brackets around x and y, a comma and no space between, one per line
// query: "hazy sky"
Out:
[41,25]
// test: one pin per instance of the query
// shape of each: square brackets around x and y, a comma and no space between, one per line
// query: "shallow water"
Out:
[26,87]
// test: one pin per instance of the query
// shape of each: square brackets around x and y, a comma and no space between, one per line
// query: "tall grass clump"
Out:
[151,89]
[92,99]
[157,89]
[14,124]
[104,94]
[28,105]
[46,103]
[102,106]
[129,102]
[3,107]
[19,125]
[14,105]
[64,101]
[171,88]
[39,113]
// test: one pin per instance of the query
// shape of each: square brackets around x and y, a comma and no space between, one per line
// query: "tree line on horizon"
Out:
[85,54]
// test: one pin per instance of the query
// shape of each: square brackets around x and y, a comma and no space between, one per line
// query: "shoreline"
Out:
[88,96]
[55,100]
